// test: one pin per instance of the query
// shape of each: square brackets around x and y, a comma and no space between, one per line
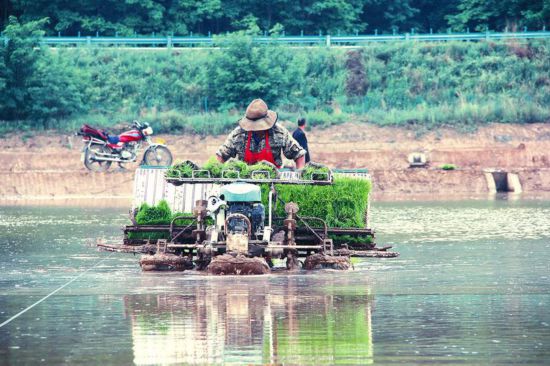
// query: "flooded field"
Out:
[472,286]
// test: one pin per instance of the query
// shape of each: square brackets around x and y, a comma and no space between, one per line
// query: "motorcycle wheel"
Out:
[89,158]
[157,156]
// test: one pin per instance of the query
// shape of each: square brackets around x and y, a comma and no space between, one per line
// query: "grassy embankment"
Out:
[204,91]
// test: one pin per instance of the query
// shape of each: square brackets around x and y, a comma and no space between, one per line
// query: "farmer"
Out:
[258,137]
[300,135]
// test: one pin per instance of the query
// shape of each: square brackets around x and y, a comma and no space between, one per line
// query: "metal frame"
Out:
[324,40]
[285,179]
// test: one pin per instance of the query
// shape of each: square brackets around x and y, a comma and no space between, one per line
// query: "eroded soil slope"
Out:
[49,165]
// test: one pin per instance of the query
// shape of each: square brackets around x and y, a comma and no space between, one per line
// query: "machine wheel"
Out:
[292,262]
[89,158]
[157,156]
[227,264]
[164,262]
[321,260]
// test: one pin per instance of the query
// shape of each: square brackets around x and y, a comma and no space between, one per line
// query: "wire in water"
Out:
[53,292]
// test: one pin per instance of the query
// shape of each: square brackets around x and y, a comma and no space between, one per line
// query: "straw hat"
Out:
[258,117]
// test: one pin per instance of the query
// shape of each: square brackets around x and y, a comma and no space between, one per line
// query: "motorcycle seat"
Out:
[113,139]
[87,130]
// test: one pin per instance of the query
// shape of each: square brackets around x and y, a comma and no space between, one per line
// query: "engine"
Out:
[128,150]
[255,212]
[244,199]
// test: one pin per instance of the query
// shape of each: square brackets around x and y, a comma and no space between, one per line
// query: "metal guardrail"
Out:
[327,40]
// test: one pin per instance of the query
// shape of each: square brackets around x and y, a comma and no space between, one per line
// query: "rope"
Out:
[52,293]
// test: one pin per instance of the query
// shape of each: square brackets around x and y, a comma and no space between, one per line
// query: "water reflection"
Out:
[260,320]
[471,286]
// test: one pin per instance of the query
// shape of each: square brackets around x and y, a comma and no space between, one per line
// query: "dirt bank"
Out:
[48,166]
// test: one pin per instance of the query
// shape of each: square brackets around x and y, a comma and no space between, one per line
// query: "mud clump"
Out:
[228,264]
[319,260]
[164,262]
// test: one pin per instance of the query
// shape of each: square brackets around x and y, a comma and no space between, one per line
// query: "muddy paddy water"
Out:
[472,286]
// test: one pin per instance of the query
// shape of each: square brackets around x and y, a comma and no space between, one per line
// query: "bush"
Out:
[448,167]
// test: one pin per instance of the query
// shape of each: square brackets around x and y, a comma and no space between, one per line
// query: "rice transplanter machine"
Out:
[230,230]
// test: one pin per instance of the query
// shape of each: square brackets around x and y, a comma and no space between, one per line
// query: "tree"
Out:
[431,15]
[59,93]
[335,15]
[538,14]
[235,77]
[242,71]
[386,15]
[90,16]
[32,83]
[185,16]
[498,14]
[20,58]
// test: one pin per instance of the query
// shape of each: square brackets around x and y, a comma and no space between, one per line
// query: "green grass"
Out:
[448,167]
[418,85]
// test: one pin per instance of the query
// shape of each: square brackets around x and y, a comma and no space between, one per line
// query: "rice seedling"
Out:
[342,204]
[182,170]
[314,171]
[154,215]
[214,167]
[234,168]
[263,170]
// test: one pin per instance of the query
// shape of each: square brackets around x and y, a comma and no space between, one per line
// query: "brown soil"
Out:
[48,166]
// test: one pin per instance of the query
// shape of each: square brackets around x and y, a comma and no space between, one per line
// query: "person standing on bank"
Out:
[300,136]
[258,137]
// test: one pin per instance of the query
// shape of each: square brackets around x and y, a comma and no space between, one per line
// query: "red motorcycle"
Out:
[102,149]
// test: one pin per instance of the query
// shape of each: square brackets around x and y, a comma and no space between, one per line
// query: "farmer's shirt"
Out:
[279,138]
